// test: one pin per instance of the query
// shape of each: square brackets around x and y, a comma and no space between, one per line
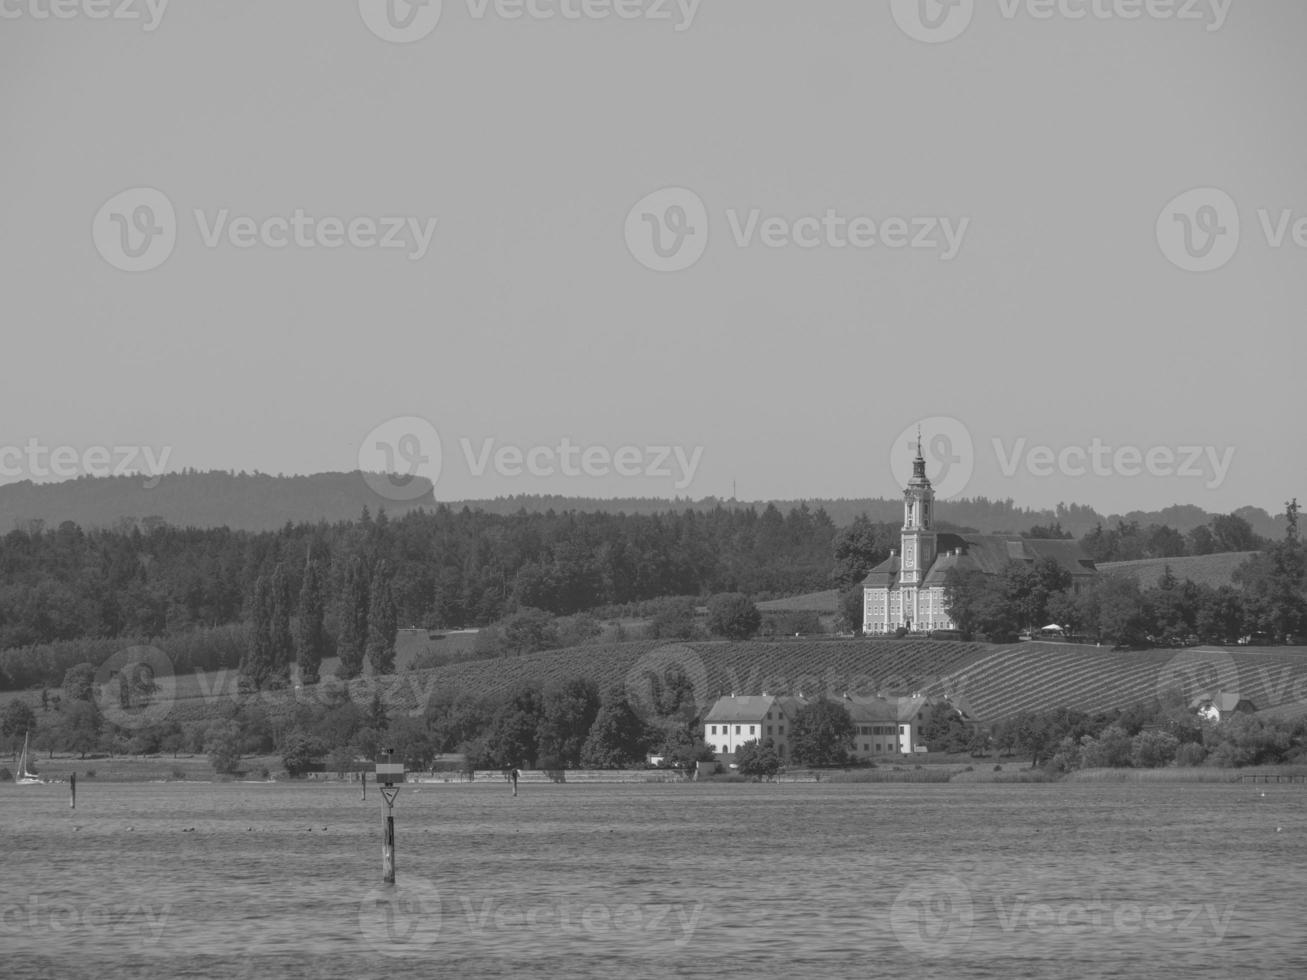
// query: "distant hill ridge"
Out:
[261,502]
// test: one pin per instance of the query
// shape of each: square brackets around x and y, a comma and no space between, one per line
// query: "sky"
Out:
[661,248]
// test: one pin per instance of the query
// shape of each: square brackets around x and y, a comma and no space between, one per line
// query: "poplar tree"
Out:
[311,642]
[257,664]
[352,631]
[281,643]
[383,620]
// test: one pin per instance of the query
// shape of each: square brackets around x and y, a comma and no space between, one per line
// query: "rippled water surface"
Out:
[799,880]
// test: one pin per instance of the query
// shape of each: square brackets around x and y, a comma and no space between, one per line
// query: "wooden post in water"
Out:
[72,791]
[389,773]
[388,848]
[365,784]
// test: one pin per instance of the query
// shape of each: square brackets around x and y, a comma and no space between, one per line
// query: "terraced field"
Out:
[991,682]
[714,668]
[1039,676]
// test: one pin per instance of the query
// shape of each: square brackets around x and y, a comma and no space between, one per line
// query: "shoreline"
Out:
[196,769]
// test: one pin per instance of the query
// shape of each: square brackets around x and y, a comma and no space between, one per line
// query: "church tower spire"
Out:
[918,535]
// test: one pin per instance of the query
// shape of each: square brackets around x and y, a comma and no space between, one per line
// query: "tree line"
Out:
[1161,732]
[558,725]
[1267,601]
[444,568]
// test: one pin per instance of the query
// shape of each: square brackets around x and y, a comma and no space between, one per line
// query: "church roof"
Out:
[884,575]
[986,553]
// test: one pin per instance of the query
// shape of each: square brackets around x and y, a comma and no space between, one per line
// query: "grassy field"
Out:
[1213,570]
[135,769]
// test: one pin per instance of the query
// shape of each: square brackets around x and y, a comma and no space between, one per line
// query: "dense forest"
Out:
[443,568]
[70,595]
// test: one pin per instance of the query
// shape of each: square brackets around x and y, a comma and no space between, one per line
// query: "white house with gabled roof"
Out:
[737,719]
[882,725]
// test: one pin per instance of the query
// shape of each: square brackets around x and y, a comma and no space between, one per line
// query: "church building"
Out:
[907,589]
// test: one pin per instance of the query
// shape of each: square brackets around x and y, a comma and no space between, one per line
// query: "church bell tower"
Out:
[918,536]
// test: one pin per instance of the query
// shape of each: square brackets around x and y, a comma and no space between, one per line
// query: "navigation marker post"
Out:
[388,774]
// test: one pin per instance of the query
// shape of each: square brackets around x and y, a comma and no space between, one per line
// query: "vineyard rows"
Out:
[993,682]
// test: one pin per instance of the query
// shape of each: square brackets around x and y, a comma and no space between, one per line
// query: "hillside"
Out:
[243,501]
[1211,570]
[990,682]
[260,502]
[827,601]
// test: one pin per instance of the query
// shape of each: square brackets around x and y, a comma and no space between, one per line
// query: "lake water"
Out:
[794,880]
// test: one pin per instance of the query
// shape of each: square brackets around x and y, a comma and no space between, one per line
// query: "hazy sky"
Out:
[872,222]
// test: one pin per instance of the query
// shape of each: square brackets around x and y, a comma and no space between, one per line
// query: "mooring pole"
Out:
[388,774]
[365,784]
[72,791]
[388,848]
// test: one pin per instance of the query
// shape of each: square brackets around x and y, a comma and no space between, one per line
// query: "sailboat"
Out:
[25,778]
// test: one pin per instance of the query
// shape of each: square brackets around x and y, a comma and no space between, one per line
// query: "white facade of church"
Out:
[906,591]
[904,598]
